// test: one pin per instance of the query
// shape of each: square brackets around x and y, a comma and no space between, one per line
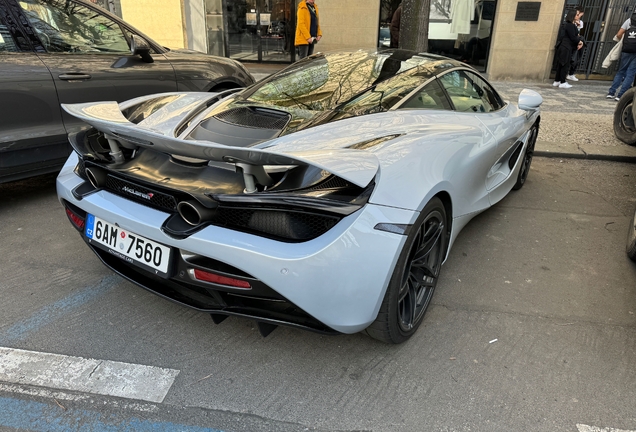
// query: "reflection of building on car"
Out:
[292,201]
[73,51]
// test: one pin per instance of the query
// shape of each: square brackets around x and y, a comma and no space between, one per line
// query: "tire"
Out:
[624,127]
[631,238]
[527,158]
[407,298]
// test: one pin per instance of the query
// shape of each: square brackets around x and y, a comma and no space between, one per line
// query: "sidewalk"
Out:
[575,123]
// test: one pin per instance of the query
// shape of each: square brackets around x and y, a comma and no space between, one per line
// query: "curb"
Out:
[599,157]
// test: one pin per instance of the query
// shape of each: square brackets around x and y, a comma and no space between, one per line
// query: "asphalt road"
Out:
[532,328]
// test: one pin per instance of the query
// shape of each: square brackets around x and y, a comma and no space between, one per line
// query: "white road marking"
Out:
[65,396]
[586,428]
[103,377]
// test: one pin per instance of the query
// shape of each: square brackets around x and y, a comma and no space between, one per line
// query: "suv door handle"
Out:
[74,76]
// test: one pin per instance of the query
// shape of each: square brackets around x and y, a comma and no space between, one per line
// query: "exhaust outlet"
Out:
[97,177]
[194,213]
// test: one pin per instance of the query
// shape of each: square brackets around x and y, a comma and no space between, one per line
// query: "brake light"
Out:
[75,219]
[220,280]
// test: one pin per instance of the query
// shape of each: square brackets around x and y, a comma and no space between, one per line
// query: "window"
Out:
[489,93]
[470,93]
[66,26]
[329,80]
[7,44]
[432,96]
[6,41]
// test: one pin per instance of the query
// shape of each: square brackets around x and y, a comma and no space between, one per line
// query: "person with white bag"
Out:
[627,67]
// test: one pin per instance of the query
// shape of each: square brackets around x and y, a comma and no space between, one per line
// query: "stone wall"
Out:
[523,50]
[160,20]
[348,24]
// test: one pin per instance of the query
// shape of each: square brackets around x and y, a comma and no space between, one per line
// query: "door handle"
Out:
[74,76]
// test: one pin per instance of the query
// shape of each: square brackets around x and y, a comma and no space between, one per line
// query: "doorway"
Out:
[259,30]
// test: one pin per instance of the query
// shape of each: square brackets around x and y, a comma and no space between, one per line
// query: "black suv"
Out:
[70,51]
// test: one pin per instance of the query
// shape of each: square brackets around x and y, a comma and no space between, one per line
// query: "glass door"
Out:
[259,30]
[215,26]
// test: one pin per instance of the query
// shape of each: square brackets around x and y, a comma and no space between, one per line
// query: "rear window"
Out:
[325,81]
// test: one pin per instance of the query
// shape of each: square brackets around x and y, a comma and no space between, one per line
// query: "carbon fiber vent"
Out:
[332,182]
[80,169]
[141,193]
[254,118]
[283,225]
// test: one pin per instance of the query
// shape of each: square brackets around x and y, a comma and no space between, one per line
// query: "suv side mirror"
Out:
[140,46]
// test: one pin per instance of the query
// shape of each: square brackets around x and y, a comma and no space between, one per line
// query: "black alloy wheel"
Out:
[415,277]
[422,270]
[631,238]
[624,127]
[527,158]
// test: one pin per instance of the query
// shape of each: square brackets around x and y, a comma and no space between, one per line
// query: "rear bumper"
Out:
[336,281]
[264,306]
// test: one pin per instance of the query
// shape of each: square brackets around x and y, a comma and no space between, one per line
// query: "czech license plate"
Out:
[128,246]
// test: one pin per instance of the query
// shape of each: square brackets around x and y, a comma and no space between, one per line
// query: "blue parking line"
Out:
[46,315]
[37,416]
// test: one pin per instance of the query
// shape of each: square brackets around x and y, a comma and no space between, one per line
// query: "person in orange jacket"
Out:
[308,31]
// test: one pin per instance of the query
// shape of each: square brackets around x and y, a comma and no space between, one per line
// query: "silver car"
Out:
[325,197]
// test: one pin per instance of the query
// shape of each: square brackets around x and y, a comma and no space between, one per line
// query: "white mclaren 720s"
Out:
[325,197]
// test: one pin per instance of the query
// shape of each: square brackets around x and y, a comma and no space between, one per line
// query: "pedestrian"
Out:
[624,77]
[576,57]
[308,31]
[567,42]
[395,27]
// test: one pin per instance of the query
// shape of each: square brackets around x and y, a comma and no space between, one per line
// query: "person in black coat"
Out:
[567,42]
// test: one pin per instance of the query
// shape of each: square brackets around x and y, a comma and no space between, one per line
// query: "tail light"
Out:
[77,217]
[205,276]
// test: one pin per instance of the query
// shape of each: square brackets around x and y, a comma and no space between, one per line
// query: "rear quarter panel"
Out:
[430,152]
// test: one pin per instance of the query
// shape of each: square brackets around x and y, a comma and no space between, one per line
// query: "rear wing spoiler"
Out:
[355,166]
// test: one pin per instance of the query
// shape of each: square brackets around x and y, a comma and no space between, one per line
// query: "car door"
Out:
[473,97]
[88,54]
[32,136]
[469,107]
[507,126]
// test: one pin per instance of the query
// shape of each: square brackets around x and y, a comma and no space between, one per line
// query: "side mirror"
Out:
[529,100]
[140,46]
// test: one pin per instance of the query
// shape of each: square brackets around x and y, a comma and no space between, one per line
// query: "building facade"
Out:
[507,39]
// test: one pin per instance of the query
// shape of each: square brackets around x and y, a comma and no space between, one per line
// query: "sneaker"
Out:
[617,98]
[556,83]
[565,85]
[571,78]
[610,96]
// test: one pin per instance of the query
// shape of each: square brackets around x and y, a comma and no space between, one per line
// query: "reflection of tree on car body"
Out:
[70,27]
